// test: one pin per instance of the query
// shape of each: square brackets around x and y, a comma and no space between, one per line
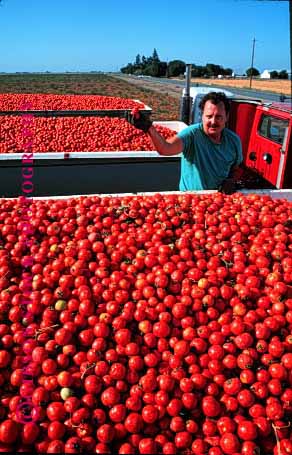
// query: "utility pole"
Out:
[252,58]
[186,100]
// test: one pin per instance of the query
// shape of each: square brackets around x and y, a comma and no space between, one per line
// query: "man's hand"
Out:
[229,186]
[139,120]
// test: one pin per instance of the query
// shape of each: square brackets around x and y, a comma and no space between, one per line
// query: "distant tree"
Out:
[155,57]
[227,71]
[166,71]
[156,69]
[143,65]
[252,71]
[274,74]
[162,69]
[213,70]
[128,69]
[283,74]
[176,68]
[137,71]
[152,66]
[198,70]
[138,60]
[152,69]
[210,70]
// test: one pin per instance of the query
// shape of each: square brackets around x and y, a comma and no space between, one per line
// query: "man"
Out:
[211,153]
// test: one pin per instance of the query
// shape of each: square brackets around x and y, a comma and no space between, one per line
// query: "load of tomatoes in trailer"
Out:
[150,324]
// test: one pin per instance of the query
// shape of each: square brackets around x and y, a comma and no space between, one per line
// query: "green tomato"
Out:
[60,305]
[66,393]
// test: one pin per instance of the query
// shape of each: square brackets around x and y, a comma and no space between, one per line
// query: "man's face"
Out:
[214,119]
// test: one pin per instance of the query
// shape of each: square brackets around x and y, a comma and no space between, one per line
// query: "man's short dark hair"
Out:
[215,98]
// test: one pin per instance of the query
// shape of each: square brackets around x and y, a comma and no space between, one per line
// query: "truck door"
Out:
[241,121]
[268,146]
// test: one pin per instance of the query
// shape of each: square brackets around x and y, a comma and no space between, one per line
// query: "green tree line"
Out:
[153,66]
[274,74]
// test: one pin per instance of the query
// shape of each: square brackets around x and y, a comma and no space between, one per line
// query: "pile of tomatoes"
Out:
[154,324]
[74,134]
[54,102]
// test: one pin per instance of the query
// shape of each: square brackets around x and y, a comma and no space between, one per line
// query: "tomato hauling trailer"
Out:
[78,151]
[58,173]
[89,151]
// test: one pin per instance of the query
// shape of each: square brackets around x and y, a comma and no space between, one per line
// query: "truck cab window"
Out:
[273,128]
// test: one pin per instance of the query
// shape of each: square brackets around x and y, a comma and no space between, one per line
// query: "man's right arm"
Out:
[172,146]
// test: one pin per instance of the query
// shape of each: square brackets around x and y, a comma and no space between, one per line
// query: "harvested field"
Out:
[276,86]
[273,85]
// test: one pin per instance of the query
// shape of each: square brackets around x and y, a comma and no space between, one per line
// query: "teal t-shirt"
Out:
[204,164]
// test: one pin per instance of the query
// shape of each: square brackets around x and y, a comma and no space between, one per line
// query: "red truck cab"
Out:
[265,132]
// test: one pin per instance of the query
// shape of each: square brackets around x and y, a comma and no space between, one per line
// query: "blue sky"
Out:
[71,35]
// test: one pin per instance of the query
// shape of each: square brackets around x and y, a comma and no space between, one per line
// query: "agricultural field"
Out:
[164,107]
[273,85]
